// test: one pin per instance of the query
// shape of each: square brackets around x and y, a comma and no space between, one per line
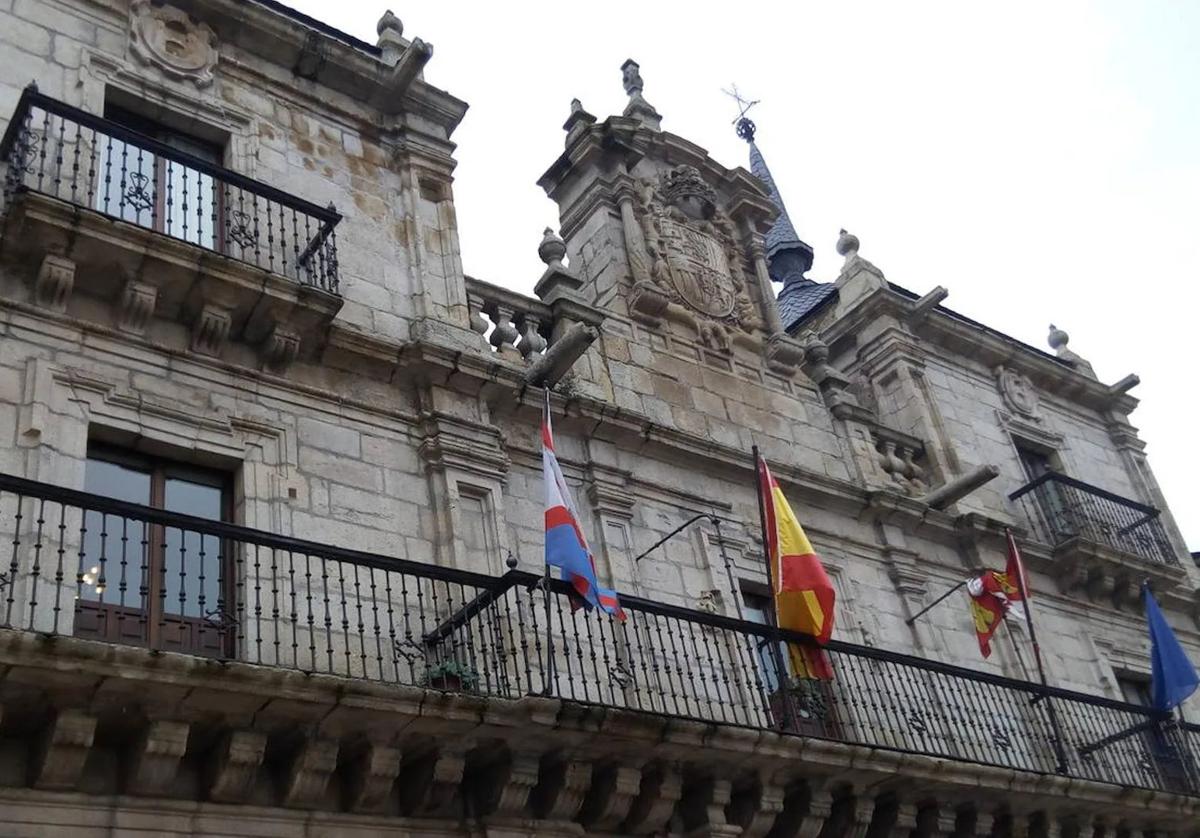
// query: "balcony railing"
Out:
[84,565]
[1060,508]
[66,153]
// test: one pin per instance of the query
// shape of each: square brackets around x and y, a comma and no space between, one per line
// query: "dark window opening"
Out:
[166,195]
[812,711]
[156,585]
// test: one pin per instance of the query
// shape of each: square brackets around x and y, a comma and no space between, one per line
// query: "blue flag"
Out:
[1172,676]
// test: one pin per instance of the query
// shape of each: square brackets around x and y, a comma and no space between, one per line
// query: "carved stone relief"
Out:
[172,40]
[695,259]
[1017,391]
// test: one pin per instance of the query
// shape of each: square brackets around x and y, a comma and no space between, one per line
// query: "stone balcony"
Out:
[106,223]
[1102,544]
[312,684]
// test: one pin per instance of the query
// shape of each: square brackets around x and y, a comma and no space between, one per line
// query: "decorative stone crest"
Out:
[172,40]
[693,252]
[1017,391]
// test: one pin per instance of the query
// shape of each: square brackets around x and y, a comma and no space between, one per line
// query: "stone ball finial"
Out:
[847,244]
[389,23]
[552,249]
[511,561]
[1057,338]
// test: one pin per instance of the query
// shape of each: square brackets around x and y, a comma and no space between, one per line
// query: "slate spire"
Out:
[788,256]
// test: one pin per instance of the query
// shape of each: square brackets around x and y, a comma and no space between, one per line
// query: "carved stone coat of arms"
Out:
[694,256]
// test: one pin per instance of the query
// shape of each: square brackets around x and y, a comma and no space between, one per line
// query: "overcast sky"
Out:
[1040,160]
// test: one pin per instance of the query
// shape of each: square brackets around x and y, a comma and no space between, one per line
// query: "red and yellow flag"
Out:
[804,596]
[995,595]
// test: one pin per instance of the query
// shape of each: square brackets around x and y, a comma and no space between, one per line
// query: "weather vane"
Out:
[745,128]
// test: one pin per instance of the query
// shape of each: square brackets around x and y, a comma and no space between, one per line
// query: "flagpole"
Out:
[1059,752]
[549,676]
[785,695]
[934,604]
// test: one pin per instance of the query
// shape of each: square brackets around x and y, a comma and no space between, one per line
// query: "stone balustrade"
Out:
[902,459]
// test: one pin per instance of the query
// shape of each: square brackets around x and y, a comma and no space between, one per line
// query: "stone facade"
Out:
[398,416]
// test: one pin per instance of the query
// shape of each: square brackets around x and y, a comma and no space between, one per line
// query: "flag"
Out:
[1172,676]
[566,548]
[996,595]
[804,596]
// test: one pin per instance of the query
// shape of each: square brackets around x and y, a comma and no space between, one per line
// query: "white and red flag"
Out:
[566,548]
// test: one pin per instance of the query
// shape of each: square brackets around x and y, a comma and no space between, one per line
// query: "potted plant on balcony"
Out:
[451,676]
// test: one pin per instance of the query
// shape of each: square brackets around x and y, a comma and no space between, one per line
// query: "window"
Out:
[1035,462]
[165,195]
[153,584]
[813,710]
[1135,689]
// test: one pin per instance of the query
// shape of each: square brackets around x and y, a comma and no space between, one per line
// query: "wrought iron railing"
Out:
[66,153]
[92,567]
[1060,508]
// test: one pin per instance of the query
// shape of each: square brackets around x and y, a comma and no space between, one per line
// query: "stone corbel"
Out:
[661,788]
[371,772]
[702,806]
[561,788]
[55,279]
[500,784]
[818,811]
[430,782]
[210,330]
[136,306]
[608,801]
[233,765]
[156,759]
[308,772]
[755,807]
[280,348]
[62,750]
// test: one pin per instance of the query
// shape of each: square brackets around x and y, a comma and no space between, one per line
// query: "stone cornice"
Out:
[352,71]
[984,345]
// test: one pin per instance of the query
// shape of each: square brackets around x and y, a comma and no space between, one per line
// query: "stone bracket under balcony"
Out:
[79,261]
[1085,567]
[297,746]
[106,224]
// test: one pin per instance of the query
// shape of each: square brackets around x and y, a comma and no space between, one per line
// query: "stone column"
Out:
[770,310]
[635,248]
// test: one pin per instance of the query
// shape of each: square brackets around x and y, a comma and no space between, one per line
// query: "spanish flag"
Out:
[804,596]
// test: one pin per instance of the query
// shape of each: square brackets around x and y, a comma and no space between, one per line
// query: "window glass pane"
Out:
[192,562]
[758,609]
[113,565]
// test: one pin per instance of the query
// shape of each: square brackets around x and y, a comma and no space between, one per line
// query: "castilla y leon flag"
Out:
[566,548]
[804,596]
[995,595]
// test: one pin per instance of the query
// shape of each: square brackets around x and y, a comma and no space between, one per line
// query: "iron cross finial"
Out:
[744,104]
[745,128]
